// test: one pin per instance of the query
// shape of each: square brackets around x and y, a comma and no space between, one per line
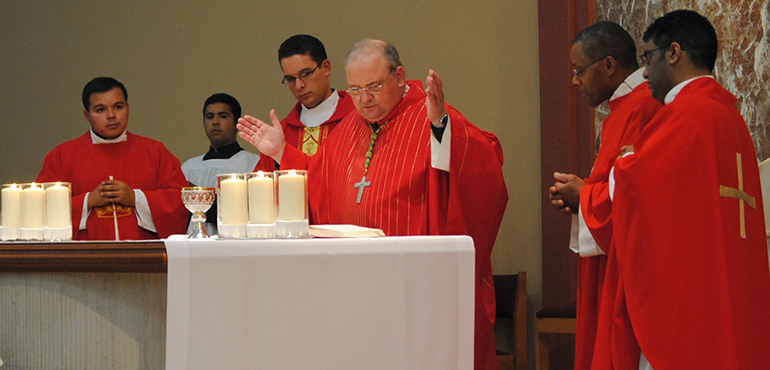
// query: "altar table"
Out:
[358,303]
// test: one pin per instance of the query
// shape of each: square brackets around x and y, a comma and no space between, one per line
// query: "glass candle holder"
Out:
[32,211]
[261,190]
[11,212]
[291,203]
[58,211]
[232,207]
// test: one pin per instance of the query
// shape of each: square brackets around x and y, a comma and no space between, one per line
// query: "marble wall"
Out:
[743,64]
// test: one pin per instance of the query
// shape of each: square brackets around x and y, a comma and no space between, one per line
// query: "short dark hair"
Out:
[235,107]
[607,38]
[692,31]
[301,45]
[101,85]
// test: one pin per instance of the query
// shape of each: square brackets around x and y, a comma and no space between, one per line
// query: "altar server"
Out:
[123,185]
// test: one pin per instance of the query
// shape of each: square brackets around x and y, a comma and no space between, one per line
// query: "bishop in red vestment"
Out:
[376,170]
[108,152]
[687,285]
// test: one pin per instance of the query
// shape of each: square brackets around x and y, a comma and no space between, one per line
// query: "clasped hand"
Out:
[112,191]
[565,193]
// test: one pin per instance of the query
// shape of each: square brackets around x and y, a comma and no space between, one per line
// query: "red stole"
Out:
[140,162]
[628,115]
[687,289]
[408,197]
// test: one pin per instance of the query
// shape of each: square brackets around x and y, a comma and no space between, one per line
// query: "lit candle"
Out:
[11,206]
[291,197]
[57,206]
[261,200]
[233,203]
[32,207]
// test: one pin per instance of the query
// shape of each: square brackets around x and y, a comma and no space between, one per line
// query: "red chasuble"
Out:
[628,115]
[294,130]
[691,286]
[407,196]
[140,162]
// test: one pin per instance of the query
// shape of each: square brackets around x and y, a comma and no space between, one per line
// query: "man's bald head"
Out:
[367,47]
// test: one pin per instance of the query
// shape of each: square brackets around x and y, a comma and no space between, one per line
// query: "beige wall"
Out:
[173,55]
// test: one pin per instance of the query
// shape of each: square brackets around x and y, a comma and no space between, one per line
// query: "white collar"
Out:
[314,117]
[95,139]
[675,91]
[631,82]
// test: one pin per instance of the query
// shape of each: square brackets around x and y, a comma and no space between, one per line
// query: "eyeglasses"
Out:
[645,57]
[301,76]
[371,89]
[578,72]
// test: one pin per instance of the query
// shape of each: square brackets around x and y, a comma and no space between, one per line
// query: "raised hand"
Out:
[268,139]
[435,101]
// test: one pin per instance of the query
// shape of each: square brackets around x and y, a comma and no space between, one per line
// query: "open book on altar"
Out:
[343,231]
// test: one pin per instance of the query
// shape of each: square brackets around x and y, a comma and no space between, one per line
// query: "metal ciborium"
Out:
[198,200]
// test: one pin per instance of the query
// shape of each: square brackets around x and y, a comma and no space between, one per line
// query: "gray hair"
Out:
[368,47]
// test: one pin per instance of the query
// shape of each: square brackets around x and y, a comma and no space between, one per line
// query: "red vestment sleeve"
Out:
[265,164]
[470,200]
[627,117]
[53,171]
[294,159]
[168,212]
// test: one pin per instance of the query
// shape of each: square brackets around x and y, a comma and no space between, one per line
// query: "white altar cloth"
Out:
[363,303]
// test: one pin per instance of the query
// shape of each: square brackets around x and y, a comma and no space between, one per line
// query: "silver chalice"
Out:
[198,200]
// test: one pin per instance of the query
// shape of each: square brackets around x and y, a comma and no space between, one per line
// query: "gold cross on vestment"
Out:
[726,191]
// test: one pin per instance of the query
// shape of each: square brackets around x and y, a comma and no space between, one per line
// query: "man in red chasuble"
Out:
[605,69]
[319,108]
[117,175]
[687,283]
[404,162]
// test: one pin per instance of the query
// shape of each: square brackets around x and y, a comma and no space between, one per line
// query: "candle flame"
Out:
[58,183]
[260,174]
[234,176]
[33,185]
[292,172]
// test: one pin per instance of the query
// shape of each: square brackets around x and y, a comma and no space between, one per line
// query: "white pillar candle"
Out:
[32,207]
[233,203]
[261,200]
[291,197]
[11,208]
[57,206]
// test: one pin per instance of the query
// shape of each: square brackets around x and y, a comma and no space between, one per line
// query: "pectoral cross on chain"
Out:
[360,186]
[726,191]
